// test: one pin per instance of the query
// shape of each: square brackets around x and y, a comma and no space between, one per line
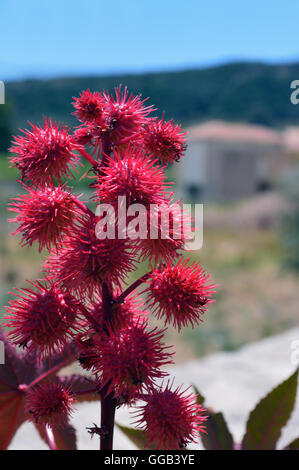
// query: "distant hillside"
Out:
[250,92]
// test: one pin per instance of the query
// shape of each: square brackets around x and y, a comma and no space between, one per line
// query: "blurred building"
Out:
[291,143]
[227,162]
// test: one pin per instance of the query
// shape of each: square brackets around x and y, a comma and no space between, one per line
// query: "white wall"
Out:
[194,168]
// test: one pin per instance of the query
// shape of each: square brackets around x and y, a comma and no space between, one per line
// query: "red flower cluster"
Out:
[122,116]
[86,298]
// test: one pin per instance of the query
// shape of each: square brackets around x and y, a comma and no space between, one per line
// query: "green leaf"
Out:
[136,436]
[200,398]
[270,415]
[294,445]
[218,436]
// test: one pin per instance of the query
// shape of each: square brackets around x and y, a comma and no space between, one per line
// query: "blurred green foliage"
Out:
[249,92]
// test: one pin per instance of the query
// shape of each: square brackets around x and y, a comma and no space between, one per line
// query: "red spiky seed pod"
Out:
[83,135]
[49,403]
[45,215]
[164,140]
[87,261]
[130,359]
[124,115]
[89,106]
[170,419]
[44,153]
[132,175]
[180,293]
[41,319]
[168,228]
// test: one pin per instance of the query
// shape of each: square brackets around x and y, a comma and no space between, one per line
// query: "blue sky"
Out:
[64,37]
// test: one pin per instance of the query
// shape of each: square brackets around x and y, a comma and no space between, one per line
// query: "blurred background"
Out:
[221,69]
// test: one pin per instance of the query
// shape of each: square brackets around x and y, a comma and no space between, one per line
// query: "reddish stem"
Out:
[82,206]
[88,157]
[132,287]
[108,402]
[108,405]
[106,149]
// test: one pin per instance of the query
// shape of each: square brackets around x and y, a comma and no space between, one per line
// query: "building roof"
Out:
[224,131]
[291,139]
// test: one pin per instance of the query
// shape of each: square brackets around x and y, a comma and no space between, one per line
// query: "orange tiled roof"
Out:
[291,139]
[224,131]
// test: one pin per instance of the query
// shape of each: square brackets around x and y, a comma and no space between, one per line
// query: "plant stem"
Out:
[108,405]
[106,149]
[132,287]
[88,157]
[108,402]
[82,206]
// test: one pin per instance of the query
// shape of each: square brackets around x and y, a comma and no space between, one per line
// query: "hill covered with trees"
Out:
[248,92]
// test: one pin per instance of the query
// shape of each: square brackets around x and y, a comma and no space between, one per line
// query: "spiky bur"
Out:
[45,215]
[125,115]
[129,359]
[130,174]
[49,403]
[123,315]
[168,228]
[170,419]
[44,153]
[179,293]
[164,140]
[86,299]
[89,107]
[43,318]
[86,261]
